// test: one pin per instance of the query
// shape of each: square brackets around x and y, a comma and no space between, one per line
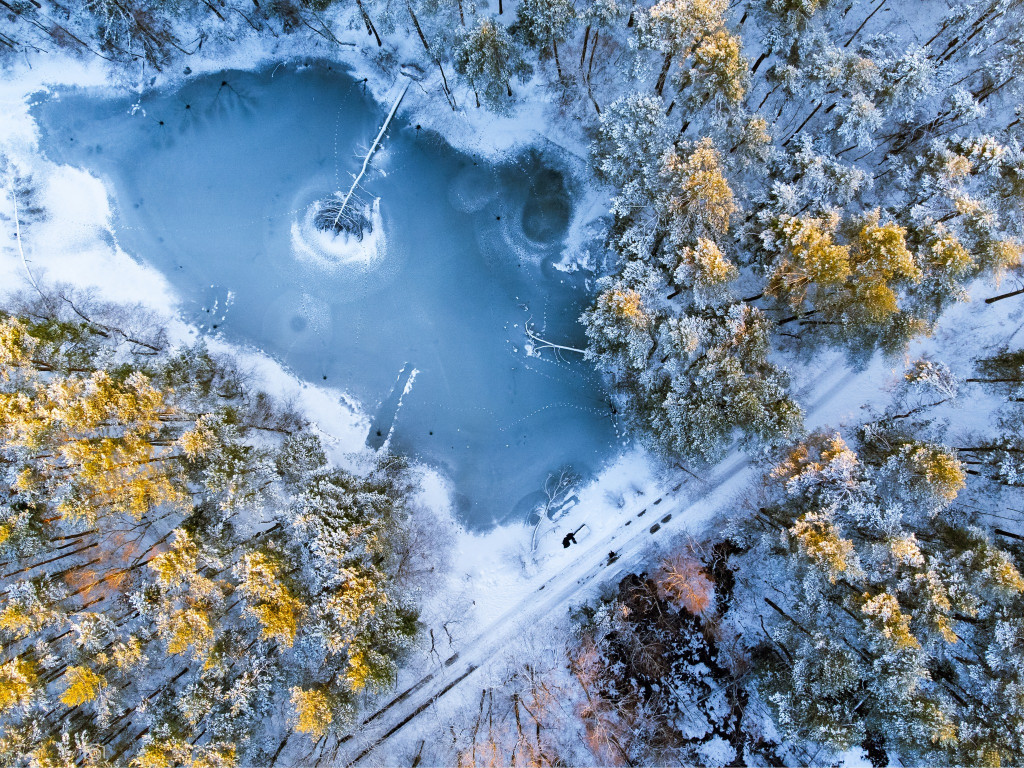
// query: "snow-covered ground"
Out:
[510,577]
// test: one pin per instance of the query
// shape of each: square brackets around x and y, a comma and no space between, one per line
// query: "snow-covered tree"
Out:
[882,596]
[201,574]
[632,137]
[720,383]
[543,24]
[489,58]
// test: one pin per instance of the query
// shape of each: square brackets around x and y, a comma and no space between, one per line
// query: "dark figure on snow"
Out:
[570,538]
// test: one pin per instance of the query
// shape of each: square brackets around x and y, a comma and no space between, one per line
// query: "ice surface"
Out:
[215,186]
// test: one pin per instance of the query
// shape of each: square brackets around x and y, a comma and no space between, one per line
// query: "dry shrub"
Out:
[682,581]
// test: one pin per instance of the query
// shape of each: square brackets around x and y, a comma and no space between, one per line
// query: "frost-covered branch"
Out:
[366,160]
[545,344]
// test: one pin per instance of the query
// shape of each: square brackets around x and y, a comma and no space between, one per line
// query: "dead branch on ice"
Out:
[17,235]
[366,160]
[545,344]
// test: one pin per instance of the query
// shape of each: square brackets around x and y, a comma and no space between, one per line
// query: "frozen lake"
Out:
[213,186]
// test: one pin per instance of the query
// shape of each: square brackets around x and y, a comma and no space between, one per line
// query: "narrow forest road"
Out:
[581,578]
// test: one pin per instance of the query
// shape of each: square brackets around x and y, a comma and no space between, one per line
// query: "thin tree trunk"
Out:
[419,29]
[857,31]
[593,47]
[447,90]
[210,5]
[787,616]
[663,75]
[47,562]
[366,160]
[1004,296]
[280,747]
[370,29]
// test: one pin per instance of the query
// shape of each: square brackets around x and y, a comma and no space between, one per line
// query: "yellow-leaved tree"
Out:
[720,67]
[81,685]
[169,752]
[813,263]
[91,441]
[188,600]
[313,710]
[18,680]
[881,262]
[268,598]
[700,201]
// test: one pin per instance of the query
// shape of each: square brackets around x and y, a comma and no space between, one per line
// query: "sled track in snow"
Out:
[590,568]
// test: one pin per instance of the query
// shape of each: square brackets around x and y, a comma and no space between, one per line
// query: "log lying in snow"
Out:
[366,160]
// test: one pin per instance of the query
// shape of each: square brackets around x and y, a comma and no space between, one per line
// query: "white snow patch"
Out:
[717,752]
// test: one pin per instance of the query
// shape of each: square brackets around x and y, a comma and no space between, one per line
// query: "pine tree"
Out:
[704,270]
[268,598]
[718,74]
[314,711]
[674,26]
[543,24]
[885,585]
[489,58]
[698,196]
[18,681]
[619,328]
[632,137]
[721,383]
[188,601]
[813,265]
[881,262]
[81,685]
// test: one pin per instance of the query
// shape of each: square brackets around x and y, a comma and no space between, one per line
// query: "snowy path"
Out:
[583,577]
[590,569]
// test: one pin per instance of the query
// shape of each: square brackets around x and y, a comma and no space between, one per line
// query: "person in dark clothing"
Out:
[570,538]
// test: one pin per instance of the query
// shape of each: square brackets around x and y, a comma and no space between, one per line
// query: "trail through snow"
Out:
[591,568]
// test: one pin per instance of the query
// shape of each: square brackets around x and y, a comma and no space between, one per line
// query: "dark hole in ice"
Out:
[546,214]
[298,323]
